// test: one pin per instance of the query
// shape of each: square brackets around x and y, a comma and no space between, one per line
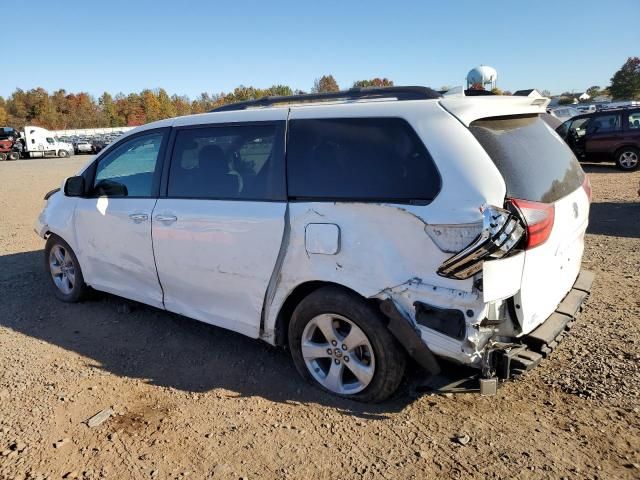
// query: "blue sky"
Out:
[193,46]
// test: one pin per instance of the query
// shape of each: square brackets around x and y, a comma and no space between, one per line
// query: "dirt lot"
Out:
[196,401]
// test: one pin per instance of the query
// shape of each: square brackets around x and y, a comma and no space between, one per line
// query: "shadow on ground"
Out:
[605,167]
[132,340]
[615,219]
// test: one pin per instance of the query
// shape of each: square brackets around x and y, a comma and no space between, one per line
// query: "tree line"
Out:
[62,110]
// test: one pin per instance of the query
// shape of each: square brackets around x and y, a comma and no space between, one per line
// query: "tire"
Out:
[13,156]
[628,159]
[66,280]
[3,157]
[330,364]
[63,153]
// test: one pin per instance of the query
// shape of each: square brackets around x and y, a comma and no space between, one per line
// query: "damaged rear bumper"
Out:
[515,360]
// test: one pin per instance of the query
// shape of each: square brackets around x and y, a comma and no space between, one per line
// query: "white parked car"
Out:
[82,146]
[358,228]
[565,113]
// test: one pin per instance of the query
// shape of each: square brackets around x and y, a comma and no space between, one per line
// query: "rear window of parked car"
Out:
[359,159]
[535,163]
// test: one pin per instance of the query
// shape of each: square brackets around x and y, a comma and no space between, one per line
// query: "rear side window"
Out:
[359,159]
[229,162]
[605,123]
[535,163]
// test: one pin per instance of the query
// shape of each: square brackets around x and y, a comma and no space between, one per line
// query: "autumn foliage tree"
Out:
[325,84]
[63,110]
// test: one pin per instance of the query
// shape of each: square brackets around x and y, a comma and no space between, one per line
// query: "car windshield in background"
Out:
[535,163]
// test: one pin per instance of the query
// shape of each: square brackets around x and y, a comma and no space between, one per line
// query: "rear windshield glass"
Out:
[536,164]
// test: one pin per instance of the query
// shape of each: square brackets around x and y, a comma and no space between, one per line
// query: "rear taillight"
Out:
[538,218]
[501,233]
[587,187]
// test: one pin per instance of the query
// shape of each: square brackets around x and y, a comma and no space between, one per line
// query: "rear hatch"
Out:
[549,189]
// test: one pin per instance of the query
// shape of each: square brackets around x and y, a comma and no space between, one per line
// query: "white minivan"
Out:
[360,228]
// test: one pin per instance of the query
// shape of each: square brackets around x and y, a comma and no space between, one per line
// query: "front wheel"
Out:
[340,343]
[64,270]
[63,154]
[628,158]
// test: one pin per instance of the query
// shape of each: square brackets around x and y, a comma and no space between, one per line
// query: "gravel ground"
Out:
[191,400]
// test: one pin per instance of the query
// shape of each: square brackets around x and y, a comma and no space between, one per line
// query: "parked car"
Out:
[608,135]
[82,146]
[413,225]
[97,145]
[564,113]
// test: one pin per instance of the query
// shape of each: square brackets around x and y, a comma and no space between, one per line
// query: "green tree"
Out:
[110,111]
[566,101]
[167,108]
[593,91]
[374,82]
[279,91]
[625,83]
[325,84]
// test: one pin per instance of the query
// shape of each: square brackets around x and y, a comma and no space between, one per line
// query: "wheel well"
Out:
[619,150]
[294,299]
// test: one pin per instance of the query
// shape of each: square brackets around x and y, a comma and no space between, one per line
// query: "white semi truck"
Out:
[40,142]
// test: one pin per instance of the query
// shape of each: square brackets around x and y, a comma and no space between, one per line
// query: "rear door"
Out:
[218,230]
[604,134]
[632,128]
[538,167]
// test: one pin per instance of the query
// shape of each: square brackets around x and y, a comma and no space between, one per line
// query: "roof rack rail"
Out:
[399,93]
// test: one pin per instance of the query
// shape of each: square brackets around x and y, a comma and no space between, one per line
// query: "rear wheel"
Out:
[64,270]
[628,158]
[3,157]
[340,343]
[13,156]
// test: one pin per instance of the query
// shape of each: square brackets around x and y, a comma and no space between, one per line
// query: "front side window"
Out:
[129,169]
[229,162]
[634,120]
[579,127]
[605,124]
[359,159]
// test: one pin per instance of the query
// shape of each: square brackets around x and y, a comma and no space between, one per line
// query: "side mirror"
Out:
[74,187]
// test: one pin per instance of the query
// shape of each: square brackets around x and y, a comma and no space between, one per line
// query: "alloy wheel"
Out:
[62,269]
[338,354]
[628,159]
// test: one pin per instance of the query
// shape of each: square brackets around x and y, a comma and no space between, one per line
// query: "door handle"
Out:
[139,217]
[166,219]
